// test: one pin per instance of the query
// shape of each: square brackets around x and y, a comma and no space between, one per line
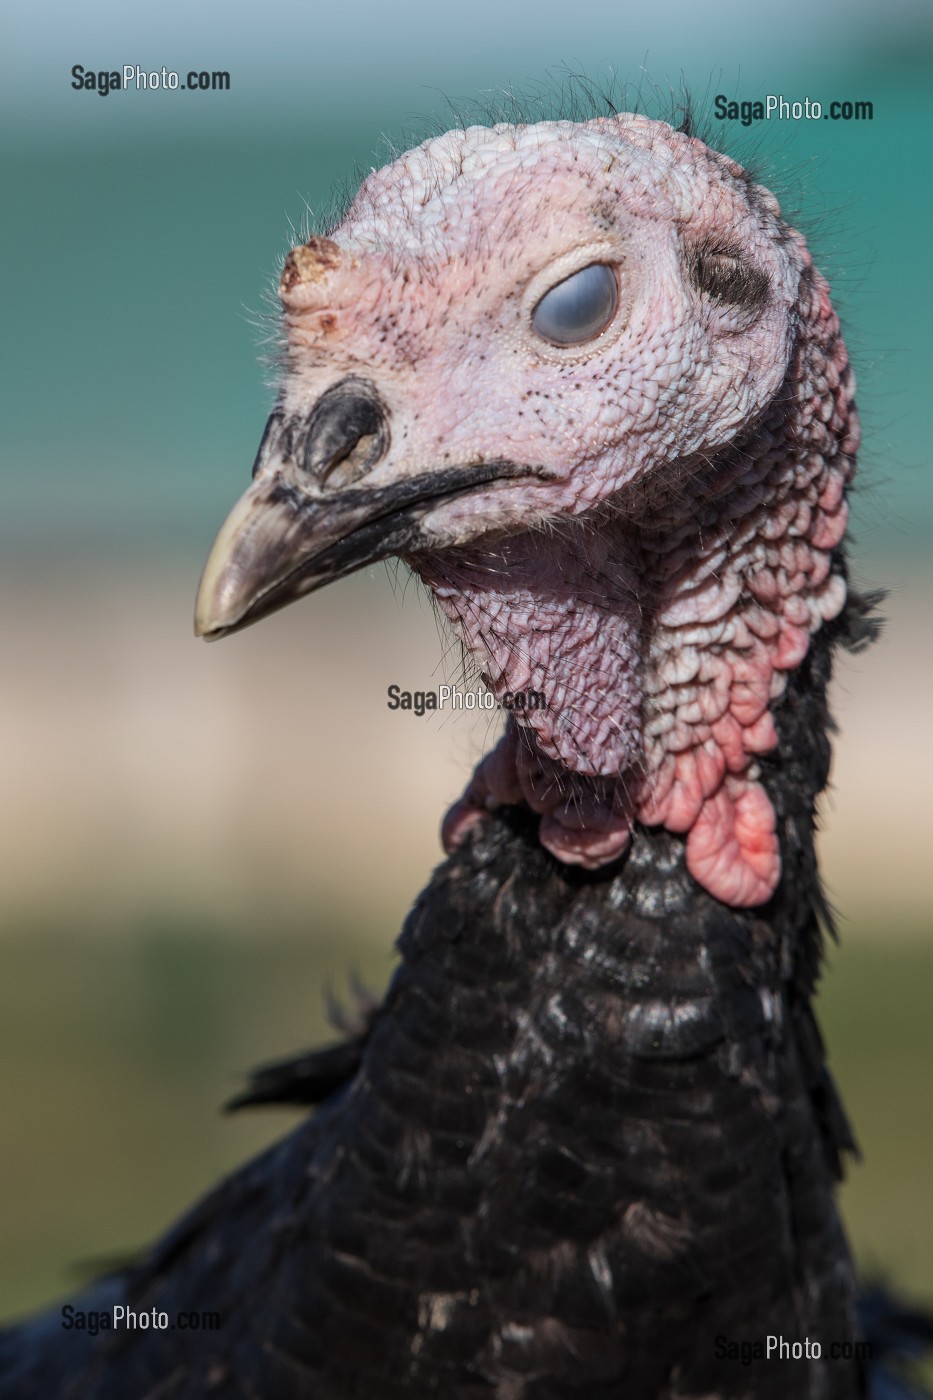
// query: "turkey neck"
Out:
[648,1120]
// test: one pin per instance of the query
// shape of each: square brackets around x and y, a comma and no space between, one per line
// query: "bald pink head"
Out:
[439,264]
[608,376]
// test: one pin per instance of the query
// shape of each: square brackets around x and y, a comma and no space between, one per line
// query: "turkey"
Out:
[587,384]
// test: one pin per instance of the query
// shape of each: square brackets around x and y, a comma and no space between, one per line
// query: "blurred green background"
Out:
[197,841]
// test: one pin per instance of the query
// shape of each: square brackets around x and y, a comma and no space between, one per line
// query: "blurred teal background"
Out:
[196,840]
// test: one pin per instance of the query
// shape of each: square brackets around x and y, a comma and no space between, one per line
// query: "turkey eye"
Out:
[578,308]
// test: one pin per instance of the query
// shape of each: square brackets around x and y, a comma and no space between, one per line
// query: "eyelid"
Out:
[579,307]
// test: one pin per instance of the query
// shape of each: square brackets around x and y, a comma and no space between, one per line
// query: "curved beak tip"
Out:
[223,598]
[233,574]
[211,617]
[205,627]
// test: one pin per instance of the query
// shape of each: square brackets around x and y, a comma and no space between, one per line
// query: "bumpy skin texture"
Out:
[589,1131]
[705,438]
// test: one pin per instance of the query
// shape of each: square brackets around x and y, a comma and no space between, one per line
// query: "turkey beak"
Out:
[301,525]
[276,545]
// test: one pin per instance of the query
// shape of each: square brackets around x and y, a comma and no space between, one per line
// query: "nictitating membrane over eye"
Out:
[579,308]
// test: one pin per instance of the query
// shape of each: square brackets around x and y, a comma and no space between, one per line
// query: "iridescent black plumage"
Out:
[589,1132]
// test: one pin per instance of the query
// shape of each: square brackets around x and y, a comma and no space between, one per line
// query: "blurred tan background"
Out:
[197,840]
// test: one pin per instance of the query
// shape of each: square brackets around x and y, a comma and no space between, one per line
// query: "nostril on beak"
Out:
[348,433]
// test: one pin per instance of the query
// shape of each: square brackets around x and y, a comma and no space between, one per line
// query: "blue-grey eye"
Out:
[579,308]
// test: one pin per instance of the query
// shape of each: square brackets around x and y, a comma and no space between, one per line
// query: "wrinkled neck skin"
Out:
[561,615]
[661,632]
